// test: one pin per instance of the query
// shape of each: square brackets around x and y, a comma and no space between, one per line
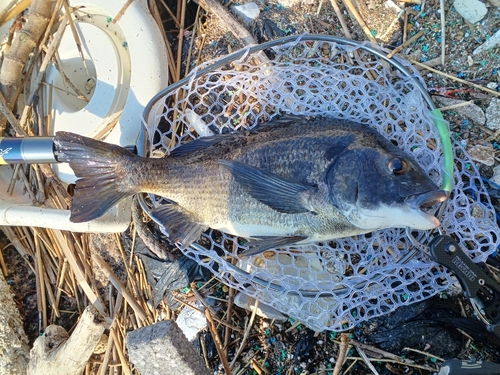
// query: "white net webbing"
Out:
[366,273]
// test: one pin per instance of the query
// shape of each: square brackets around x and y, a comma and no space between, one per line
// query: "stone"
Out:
[482,154]
[493,114]
[496,175]
[472,10]
[162,348]
[248,12]
[471,112]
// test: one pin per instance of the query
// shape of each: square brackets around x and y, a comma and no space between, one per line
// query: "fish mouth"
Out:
[425,200]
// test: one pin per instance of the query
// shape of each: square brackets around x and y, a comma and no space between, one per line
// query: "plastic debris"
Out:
[192,321]
[472,10]
[248,12]
[489,44]
[265,311]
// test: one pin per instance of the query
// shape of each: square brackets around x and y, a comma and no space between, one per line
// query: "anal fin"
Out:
[180,224]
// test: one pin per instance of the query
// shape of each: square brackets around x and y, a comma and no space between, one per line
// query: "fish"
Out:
[293,181]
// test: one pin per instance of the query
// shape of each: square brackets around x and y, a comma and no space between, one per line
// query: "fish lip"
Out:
[427,199]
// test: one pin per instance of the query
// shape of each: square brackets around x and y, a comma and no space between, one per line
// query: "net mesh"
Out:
[337,284]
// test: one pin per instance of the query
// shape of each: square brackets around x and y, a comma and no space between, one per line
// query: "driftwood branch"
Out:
[23,44]
[58,353]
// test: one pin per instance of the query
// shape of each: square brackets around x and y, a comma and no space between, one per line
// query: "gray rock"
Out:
[161,349]
[471,112]
[248,12]
[493,114]
[496,175]
[472,10]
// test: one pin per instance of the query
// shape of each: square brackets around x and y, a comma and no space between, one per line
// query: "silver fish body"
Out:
[294,181]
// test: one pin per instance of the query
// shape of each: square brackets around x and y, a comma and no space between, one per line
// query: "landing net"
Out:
[332,285]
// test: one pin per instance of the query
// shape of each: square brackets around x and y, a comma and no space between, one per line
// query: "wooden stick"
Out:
[361,22]
[455,78]
[405,44]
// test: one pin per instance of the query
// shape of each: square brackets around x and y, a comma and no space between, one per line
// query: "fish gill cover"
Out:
[336,284]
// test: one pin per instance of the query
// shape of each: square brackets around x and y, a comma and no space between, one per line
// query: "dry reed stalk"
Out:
[3,266]
[191,43]
[183,4]
[138,310]
[79,276]
[354,12]
[405,44]
[9,116]
[174,18]
[54,44]
[455,106]
[341,19]
[59,284]
[246,334]
[122,11]
[76,37]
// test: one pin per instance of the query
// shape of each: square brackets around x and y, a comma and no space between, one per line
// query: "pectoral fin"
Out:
[180,224]
[278,193]
[267,243]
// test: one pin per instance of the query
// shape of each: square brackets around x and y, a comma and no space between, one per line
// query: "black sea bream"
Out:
[297,180]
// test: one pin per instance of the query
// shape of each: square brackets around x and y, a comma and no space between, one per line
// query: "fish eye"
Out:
[397,166]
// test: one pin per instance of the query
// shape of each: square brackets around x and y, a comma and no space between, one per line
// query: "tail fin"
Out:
[100,184]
